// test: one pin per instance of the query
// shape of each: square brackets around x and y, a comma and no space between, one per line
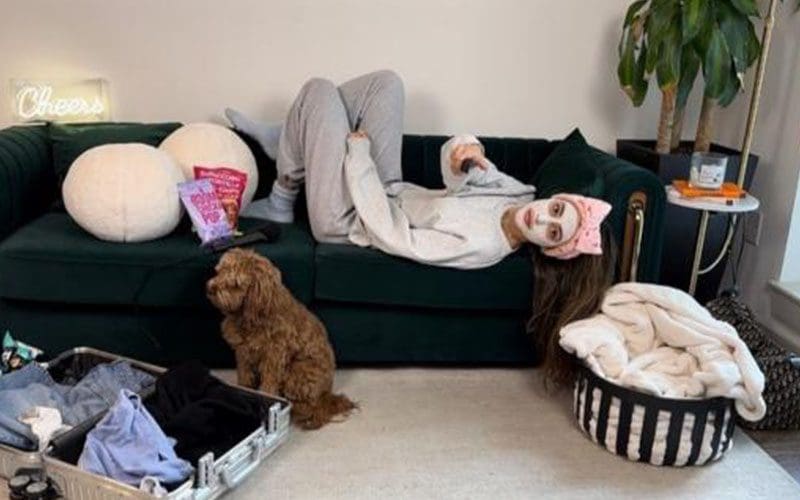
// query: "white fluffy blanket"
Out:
[659,340]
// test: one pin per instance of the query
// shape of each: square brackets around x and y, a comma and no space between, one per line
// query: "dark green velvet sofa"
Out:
[60,287]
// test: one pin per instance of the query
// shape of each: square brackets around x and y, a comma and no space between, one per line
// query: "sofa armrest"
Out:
[27,180]
[624,185]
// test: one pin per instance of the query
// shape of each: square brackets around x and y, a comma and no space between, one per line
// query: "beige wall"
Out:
[508,67]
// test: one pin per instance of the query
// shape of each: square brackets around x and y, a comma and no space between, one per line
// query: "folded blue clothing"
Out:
[128,445]
[32,386]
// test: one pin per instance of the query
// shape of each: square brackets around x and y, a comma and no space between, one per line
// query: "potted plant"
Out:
[673,42]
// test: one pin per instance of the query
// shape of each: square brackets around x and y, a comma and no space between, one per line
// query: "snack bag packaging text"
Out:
[229,185]
[201,201]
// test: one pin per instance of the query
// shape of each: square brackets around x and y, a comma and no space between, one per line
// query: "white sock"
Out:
[277,207]
[267,135]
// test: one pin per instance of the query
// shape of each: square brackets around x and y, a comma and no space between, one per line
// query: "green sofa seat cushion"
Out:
[52,259]
[348,273]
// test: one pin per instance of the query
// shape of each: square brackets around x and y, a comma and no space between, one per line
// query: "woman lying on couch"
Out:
[345,142]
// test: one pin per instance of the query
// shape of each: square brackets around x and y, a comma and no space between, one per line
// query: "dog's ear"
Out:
[259,293]
[269,269]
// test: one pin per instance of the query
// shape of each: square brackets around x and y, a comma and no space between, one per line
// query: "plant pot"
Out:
[680,224]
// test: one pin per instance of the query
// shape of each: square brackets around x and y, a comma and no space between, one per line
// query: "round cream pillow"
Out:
[210,145]
[124,192]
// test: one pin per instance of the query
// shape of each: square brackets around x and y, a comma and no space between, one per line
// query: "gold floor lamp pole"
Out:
[766,42]
[747,143]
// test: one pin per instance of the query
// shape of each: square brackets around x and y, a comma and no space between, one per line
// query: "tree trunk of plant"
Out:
[677,128]
[705,126]
[665,120]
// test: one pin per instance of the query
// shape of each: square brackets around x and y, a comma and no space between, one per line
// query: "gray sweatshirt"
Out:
[459,226]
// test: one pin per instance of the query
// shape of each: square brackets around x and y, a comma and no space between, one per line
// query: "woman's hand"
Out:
[358,134]
[357,141]
[464,152]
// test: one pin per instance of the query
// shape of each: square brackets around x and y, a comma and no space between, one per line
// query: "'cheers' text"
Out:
[36,101]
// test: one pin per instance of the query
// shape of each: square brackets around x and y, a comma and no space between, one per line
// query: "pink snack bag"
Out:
[229,185]
[209,218]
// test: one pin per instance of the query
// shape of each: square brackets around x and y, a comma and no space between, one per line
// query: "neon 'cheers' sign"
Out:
[77,101]
[33,102]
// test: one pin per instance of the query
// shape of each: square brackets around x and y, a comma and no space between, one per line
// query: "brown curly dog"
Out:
[281,348]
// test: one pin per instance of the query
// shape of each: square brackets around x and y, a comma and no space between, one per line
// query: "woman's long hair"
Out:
[565,291]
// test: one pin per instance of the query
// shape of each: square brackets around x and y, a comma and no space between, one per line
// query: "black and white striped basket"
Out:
[646,428]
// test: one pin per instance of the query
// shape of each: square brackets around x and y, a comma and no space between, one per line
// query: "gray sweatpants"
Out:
[313,144]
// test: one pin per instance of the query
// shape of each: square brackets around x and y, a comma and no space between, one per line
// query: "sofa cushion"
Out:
[70,141]
[570,168]
[519,158]
[347,273]
[52,259]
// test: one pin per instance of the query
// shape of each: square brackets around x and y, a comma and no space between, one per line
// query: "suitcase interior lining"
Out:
[76,366]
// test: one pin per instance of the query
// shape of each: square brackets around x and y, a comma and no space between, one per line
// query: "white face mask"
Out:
[548,222]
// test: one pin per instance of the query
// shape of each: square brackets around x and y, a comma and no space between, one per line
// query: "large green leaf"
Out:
[668,69]
[663,15]
[746,7]
[716,64]
[632,11]
[640,81]
[732,89]
[703,39]
[695,13]
[622,40]
[753,45]
[652,55]
[736,28]
[631,69]
[690,67]
[627,61]
[658,4]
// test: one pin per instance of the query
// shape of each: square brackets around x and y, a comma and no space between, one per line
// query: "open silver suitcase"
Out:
[213,476]
[80,359]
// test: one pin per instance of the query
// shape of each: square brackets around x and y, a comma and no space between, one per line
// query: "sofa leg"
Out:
[632,240]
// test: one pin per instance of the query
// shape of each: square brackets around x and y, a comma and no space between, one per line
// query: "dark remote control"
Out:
[268,232]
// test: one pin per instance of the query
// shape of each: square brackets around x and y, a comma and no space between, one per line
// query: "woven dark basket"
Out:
[718,412]
[781,368]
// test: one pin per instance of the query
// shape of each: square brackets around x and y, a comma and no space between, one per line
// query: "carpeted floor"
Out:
[483,433]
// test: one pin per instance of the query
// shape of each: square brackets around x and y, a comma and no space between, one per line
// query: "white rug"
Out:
[483,433]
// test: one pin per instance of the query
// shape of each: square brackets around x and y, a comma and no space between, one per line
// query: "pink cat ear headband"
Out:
[587,238]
